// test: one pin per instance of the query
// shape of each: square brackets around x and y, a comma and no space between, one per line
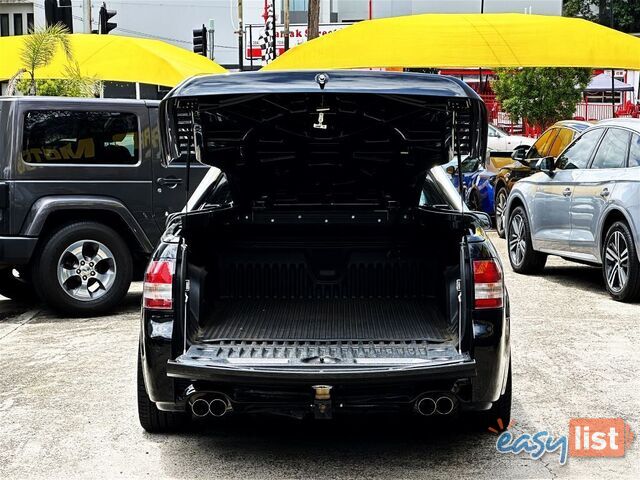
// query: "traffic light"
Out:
[104,25]
[58,11]
[200,41]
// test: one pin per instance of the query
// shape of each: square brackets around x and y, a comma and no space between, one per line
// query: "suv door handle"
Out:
[170,182]
[567,192]
[605,192]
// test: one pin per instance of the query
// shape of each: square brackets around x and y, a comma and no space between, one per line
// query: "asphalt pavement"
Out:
[68,410]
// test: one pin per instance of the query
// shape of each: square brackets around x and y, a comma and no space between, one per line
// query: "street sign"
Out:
[297,35]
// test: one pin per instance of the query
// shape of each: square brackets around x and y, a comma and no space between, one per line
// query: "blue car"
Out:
[478,183]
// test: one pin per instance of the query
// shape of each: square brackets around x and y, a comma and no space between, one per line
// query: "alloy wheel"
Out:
[517,242]
[501,206]
[86,270]
[616,262]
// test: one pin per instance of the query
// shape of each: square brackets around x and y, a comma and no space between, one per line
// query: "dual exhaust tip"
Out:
[431,405]
[214,405]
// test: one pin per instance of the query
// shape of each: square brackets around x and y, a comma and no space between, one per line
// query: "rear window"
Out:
[77,137]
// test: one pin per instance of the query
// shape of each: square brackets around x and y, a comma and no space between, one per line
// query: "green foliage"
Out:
[542,96]
[626,13]
[39,49]
[61,87]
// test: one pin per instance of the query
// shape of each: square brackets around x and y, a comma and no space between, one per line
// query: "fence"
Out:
[584,111]
[594,111]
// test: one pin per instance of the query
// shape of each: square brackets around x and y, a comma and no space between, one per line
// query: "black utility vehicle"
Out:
[83,198]
[343,276]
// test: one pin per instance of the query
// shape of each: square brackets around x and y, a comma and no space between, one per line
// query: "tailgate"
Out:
[350,361]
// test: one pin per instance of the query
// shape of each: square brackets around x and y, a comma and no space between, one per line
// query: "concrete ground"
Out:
[67,401]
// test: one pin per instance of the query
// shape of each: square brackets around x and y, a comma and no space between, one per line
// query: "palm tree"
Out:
[40,47]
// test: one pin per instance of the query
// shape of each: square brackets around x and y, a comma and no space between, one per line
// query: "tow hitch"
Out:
[322,402]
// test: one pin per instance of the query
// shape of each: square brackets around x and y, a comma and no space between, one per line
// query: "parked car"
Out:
[498,139]
[583,206]
[478,183]
[326,286]
[550,143]
[83,198]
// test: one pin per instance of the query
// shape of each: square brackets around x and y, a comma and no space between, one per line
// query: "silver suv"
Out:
[583,206]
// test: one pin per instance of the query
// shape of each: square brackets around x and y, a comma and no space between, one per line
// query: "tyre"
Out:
[501,206]
[15,287]
[474,202]
[522,256]
[620,266]
[498,417]
[83,269]
[152,419]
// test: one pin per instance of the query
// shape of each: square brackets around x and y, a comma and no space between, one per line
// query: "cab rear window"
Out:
[80,137]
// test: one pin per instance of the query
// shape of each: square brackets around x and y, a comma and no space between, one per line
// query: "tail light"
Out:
[487,276]
[158,281]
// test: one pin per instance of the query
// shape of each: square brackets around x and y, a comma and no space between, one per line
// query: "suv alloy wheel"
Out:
[83,269]
[620,267]
[501,205]
[522,256]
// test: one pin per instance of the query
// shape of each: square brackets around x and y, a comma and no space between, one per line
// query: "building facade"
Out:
[16,17]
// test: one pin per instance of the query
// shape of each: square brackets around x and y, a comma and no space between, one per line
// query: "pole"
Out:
[313,19]
[275,30]
[240,38]
[86,16]
[211,32]
[613,95]
[370,9]
[480,69]
[285,31]
[251,47]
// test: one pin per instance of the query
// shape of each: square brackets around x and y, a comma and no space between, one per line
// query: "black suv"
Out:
[83,198]
[343,276]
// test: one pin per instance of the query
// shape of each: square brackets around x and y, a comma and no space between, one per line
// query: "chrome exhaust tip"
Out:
[426,406]
[444,405]
[218,407]
[200,407]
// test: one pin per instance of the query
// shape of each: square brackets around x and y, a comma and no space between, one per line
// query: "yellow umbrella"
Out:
[466,40]
[116,58]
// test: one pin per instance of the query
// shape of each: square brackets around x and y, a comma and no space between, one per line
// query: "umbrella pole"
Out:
[613,95]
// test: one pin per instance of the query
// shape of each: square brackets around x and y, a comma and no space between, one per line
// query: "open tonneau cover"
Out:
[314,139]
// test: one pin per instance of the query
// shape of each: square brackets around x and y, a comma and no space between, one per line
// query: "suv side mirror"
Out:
[520,152]
[483,218]
[451,170]
[547,164]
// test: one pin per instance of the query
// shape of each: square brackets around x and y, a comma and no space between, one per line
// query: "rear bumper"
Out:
[378,374]
[289,390]
[16,250]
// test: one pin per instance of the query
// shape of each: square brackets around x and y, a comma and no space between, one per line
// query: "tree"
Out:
[73,85]
[541,96]
[40,47]
[38,51]
[626,13]
[313,19]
